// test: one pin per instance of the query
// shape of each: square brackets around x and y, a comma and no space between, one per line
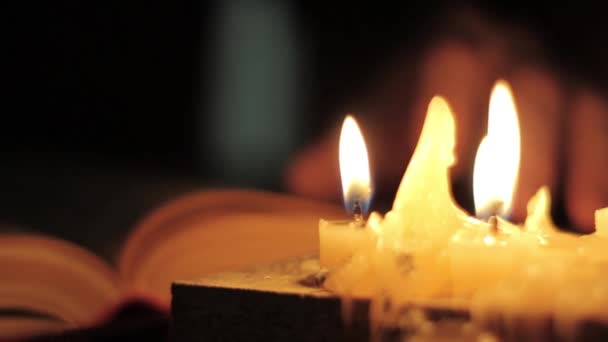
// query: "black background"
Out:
[104,100]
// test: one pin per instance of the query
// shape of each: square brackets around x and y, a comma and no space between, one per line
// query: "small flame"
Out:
[497,161]
[354,167]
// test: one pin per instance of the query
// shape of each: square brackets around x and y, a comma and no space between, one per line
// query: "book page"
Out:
[53,283]
[219,230]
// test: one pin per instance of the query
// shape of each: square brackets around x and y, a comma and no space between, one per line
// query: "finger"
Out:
[539,99]
[587,183]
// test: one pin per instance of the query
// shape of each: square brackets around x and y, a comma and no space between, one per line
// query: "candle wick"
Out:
[493,221]
[492,212]
[358,213]
[492,209]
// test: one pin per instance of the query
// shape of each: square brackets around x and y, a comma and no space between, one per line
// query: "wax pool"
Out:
[339,241]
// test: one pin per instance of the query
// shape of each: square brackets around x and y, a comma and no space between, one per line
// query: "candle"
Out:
[340,239]
[410,241]
[427,248]
[494,179]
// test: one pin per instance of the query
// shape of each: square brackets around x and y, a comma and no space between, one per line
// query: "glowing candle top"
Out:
[354,167]
[497,161]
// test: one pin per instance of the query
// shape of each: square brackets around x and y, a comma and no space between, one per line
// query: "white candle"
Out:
[482,258]
[339,240]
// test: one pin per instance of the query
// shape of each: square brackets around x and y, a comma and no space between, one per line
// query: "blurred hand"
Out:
[564,126]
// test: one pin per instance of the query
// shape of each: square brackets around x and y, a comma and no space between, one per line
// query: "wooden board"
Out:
[273,303]
[284,302]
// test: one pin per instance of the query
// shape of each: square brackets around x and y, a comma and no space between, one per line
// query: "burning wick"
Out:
[493,221]
[490,212]
[358,213]
[497,160]
[354,171]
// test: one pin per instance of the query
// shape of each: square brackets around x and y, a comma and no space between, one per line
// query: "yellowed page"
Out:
[55,278]
[219,230]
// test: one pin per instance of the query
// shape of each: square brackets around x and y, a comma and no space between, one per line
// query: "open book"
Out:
[50,285]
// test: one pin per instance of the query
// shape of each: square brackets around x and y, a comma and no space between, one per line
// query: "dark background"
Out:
[112,108]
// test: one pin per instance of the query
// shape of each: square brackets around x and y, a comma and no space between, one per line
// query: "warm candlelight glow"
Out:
[426,251]
[354,166]
[497,160]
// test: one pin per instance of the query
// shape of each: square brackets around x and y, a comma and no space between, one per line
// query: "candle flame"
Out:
[354,167]
[497,161]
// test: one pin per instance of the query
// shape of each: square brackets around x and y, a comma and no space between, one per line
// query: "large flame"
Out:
[497,161]
[354,166]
